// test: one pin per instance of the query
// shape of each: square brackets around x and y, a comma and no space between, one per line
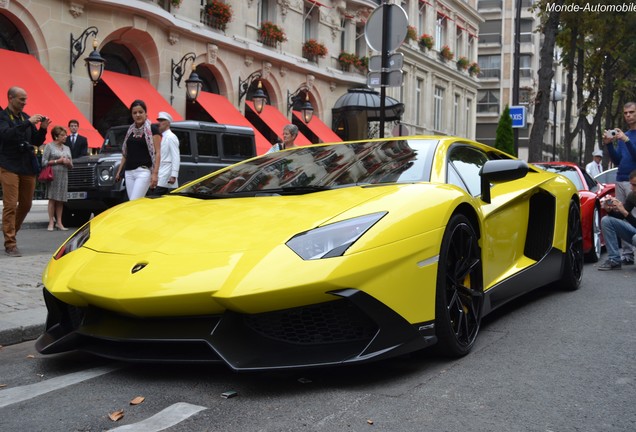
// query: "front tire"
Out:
[572,271]
[459,296]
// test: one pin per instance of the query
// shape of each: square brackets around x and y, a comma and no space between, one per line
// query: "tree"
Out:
[504,139]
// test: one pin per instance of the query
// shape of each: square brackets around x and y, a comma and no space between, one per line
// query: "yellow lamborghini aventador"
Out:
[315,256]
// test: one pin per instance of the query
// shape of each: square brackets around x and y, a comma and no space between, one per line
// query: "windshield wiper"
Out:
[286,190]
[201,195]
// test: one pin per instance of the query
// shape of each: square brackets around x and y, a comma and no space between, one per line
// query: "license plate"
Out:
[76,195]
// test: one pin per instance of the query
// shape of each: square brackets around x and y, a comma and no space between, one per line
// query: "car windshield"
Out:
[567,171]
[114,140]
[315,168]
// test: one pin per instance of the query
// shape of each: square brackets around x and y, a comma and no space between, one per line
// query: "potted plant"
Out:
[446,53]
[175,3]
[218,14]
[473,69]
[462,63]
[363,64]
[346,60]
[312,49]
[411,34]
[270,34]
[426,41]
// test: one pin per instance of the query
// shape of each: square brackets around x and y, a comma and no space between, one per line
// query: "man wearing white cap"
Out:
[170,159]
[594,168]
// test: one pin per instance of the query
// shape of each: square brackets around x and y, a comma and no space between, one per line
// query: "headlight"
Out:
[332,240]
[106,174]
[74,242]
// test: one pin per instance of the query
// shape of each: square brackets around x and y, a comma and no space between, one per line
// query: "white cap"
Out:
[597,153]
[164,116]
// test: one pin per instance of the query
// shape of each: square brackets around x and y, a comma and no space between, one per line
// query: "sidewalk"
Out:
[22,310]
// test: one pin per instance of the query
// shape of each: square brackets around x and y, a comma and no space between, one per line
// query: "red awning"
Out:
[275,120]
[44,95]
[128,88]
[222,111]
[319,128]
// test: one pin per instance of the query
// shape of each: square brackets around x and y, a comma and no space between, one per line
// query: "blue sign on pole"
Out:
[518,114]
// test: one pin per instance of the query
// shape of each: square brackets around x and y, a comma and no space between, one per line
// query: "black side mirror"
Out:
[498,171]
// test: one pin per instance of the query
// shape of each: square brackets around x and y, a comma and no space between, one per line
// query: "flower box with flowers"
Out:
[462,63]
[218,14]
[312,49]
[445,53]
[426,41]
[175,3]
[474,69]
[348,60]
[411,34]
[270,34]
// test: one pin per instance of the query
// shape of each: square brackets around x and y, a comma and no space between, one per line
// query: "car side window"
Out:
[465,163]
[184,142]
[237,147]
[207,145]
[592,184]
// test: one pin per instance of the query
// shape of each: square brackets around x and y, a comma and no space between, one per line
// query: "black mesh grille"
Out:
[540,226]
[81,177]
[336,321]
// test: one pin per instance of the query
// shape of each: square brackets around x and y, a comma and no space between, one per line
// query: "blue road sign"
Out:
[518,114]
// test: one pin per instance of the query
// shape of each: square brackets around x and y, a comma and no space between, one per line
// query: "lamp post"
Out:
[557,96]
[259,98]
[94,62]
[295,99]
[193,83]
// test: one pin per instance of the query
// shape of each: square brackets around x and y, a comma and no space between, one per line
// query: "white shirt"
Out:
[594,168]
[170,160]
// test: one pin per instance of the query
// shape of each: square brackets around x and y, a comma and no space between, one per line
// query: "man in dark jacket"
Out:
[18,165]
[76,142]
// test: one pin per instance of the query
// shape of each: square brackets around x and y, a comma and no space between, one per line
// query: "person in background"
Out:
[623,156]
[59,157]
[619,224]
[170,158]
[76,142]
[594,168]
[18,164]
[141,153]
[277,146]
[290,132]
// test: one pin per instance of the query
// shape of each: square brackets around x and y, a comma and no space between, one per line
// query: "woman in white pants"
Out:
[141,153]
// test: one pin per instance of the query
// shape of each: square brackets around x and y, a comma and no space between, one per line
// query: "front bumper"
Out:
[354,328]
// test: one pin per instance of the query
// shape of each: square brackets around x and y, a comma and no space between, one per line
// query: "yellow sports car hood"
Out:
[176,225]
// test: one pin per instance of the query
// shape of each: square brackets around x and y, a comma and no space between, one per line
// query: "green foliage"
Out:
[505,140]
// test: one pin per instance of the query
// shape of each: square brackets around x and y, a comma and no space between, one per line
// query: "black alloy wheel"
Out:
[459,296]
[572,271]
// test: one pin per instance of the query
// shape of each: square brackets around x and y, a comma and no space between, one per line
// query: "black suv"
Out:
[204,147]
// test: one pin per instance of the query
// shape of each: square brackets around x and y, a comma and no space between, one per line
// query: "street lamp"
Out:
[294,100]
[94,62]
[557,96]
[193,84]
[259,98]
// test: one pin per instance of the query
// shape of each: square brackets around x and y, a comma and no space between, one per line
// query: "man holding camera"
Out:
[623,156]
[619,224]
[18,164]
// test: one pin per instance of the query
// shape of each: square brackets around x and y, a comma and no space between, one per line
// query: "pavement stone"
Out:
[22,310]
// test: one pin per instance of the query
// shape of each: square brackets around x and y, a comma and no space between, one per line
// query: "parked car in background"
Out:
[607,176]
[204,148]
[323,255]
[591,192]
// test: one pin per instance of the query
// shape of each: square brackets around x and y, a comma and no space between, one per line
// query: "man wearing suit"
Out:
[77,143]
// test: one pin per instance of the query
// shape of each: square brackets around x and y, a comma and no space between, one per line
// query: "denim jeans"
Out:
[614,230]
[137,182]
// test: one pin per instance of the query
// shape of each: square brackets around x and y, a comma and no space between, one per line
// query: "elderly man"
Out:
[18,166]
[594,168]
[170,158]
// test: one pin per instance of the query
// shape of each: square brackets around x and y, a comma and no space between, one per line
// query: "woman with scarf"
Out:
[140,153]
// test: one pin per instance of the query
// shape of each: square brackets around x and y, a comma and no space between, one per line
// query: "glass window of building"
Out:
[438,108]
[490,66]
[488,101]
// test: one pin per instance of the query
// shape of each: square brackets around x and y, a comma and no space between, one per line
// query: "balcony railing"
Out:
[489,4]
[490,73]
[490,38]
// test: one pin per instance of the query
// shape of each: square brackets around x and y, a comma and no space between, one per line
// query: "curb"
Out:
[31,327]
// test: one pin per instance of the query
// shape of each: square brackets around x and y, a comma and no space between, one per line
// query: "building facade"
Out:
[151,46]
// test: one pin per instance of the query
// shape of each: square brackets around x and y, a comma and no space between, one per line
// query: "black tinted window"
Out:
[207,145]
[238,146]
[184,142]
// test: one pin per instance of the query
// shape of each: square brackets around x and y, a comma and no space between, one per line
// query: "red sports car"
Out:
[590,192]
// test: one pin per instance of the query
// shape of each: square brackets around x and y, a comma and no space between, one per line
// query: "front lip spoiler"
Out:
[243,342]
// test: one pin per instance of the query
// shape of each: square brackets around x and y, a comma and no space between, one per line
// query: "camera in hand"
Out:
[610,133]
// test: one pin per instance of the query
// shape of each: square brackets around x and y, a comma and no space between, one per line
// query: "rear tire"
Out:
[572,271]
[459,296]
